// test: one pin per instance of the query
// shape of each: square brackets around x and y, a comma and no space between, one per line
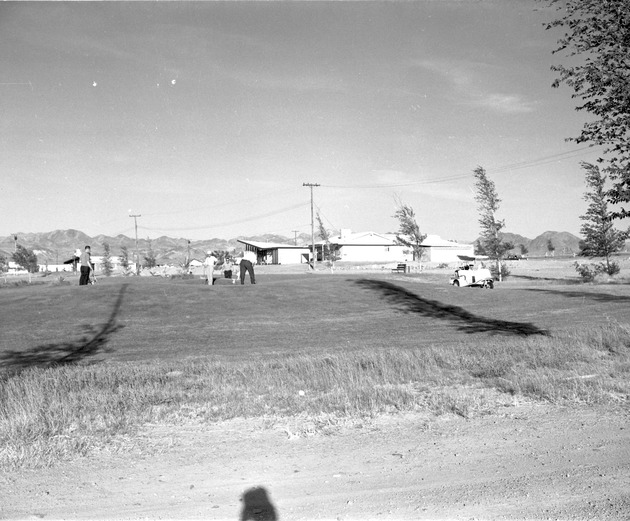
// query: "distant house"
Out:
[367,247]
[440,250]
[275,253]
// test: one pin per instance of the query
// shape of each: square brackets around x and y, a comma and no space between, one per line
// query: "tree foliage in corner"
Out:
[25,258]
[597,37]
[490,241]
[408,231]
[601,239]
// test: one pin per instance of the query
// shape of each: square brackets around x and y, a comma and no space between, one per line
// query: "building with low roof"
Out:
[277,253]
[440,250]
[367,247]
[360,247]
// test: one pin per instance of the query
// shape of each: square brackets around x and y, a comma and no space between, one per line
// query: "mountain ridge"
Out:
[58,245]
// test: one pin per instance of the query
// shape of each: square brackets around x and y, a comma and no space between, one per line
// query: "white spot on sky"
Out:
[173,82]
[94,84]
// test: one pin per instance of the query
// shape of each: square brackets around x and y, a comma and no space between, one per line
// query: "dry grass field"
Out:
[355,395]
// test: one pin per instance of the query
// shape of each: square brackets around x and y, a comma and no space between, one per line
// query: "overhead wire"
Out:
[230,223]
[456,177]
[222,205]
[321,214]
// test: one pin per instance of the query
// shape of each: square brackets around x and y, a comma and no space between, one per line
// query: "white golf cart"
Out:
[470,275]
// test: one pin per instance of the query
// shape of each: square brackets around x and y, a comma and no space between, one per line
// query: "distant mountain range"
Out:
[57,246]
[564,243]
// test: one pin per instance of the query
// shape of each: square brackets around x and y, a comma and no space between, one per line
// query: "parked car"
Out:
[513,256]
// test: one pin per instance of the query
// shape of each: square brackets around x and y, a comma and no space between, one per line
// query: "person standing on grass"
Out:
[86,266]
[247,264]
[208,266]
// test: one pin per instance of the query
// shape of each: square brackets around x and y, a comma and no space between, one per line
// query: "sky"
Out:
[207,119]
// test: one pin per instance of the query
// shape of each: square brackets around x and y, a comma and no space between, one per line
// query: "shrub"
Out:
[505,271]
[589,272]
[612,269]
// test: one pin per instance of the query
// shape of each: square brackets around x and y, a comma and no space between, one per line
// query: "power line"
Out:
[319,211]
[222,205]
[230,223]
[456,177]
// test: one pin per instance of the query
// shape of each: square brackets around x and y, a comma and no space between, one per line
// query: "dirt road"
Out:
[525,462]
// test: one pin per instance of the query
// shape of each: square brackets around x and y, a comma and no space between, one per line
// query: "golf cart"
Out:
[470,275]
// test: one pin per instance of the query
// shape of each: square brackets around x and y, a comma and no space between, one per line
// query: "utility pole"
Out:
[295,232]
[311,185]
[135,220]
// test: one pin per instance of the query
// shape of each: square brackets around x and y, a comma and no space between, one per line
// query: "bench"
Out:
[401,268]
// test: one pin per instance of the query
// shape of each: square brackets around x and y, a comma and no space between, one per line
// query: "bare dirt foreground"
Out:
[524,462]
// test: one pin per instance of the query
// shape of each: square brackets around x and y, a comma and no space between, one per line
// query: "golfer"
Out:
[86,267]
[208,266]
[247,264]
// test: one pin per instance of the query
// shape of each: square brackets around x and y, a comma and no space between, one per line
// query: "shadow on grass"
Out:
[464,320]
[93,342]
[568,282]
[598,296]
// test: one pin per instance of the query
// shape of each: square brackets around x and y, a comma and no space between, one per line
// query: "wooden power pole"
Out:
[311,185]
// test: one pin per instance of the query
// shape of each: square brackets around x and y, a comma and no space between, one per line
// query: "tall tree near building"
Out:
[124,260]
[149,259]
[107,265]
[597,42]
[491,241]
[601,239]
[329,253]
[409,233]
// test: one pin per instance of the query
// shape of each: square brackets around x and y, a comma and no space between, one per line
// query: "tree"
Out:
[107,260]
[550,247]
[524,250]
[408,232]
[149,259]
[601,239]
[124,260]
[598,37]
[491,241]
[25,258]
[4,264]
[329,253]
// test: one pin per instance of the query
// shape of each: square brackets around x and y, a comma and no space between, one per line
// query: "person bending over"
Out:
[247,264]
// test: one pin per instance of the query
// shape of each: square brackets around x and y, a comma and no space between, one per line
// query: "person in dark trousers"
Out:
[247,264]
[86,267]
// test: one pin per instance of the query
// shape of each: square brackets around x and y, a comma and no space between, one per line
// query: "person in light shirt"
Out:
[86,266]
[208,267]
[247,264]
